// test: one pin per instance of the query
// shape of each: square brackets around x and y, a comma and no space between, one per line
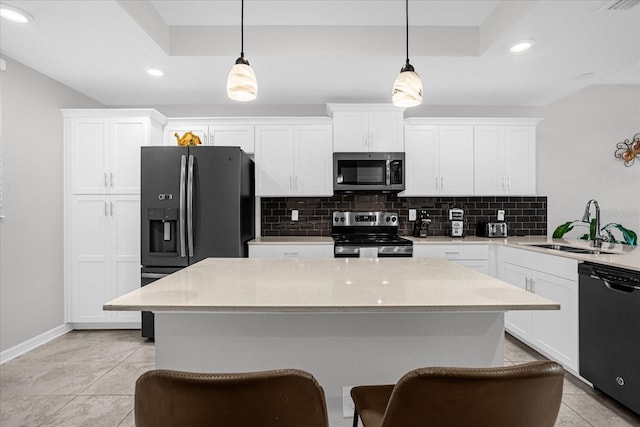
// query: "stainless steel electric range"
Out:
[376,233]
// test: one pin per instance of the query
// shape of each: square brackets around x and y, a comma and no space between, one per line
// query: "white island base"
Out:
[346,321]
[339,349]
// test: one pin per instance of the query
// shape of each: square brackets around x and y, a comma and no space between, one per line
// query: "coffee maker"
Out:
[456,216]
[421,226]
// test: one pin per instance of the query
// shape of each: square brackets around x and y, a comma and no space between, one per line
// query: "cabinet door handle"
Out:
[530,285]
[111,204]
[106,183]
[509,183]
[105,209]
[111,176]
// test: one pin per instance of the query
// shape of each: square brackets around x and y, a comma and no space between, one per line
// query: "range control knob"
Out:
[388,219]
[394,219]
[342,219]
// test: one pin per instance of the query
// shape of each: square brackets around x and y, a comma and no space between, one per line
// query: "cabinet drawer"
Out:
[551,264]
[452,252]
[290,251]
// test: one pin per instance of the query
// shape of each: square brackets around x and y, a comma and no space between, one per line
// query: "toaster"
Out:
[492,229]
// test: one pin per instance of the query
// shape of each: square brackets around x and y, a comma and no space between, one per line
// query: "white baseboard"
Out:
[34,342]
[105,325]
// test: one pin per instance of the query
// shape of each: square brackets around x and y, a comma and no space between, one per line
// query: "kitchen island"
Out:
[347,321]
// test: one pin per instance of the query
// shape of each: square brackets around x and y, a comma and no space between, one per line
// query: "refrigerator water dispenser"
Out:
[163,223]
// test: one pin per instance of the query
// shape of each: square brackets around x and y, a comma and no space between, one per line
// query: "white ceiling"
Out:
[314,52]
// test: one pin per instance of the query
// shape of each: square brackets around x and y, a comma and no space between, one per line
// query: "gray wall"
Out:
[576,142]
[31,235]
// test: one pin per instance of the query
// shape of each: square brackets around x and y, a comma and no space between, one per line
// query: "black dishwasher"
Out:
[610,331]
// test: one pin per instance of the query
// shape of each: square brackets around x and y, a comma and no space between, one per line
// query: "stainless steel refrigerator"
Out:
[196,202]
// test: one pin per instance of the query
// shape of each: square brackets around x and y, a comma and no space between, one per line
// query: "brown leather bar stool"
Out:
[527,395]
[282,398]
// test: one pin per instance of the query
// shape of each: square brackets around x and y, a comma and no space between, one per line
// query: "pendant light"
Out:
[241,83]
[407,89]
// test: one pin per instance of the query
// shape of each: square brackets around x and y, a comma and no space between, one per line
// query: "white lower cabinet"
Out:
[475,257]
[290,251]
[554,333]
[104,236]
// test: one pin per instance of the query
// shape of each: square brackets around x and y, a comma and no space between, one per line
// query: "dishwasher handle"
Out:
[619,287]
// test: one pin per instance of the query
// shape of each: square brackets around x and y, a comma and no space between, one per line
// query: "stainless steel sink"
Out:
[573,249]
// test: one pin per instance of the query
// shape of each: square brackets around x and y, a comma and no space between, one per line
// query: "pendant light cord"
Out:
[407,26]
[242,29]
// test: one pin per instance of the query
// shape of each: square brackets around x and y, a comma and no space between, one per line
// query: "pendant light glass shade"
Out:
[407,89]
[241,83]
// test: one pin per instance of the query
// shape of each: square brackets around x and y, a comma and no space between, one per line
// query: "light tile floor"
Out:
[86,378]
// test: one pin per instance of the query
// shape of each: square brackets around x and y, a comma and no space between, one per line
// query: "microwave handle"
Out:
[388,172]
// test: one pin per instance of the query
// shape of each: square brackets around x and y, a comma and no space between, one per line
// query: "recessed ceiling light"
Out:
[522,45]
[155,72]
[13,14]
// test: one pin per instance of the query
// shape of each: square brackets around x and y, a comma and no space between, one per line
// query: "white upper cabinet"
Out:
[313,160]
[470,156]
[173,132]
[439,160]
[456,160]
[505,160]
[103,150]
[294,160]
[231,132]
[274,161]
[367,128]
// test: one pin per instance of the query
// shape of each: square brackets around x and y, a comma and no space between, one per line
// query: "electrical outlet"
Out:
[412,215]
[347,404]
[500,215]
[294,215]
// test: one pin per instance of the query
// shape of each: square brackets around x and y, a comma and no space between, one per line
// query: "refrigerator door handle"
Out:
[183,206]
[190,206]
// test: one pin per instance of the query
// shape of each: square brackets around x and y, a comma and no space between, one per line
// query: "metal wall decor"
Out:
[628,151]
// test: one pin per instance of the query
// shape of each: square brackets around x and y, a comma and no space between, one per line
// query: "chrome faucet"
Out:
[597,237]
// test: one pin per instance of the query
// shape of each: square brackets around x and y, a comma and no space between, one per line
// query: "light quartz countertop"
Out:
[622,256]
[328,285]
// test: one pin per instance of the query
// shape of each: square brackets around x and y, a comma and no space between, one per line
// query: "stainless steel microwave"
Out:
[353,172]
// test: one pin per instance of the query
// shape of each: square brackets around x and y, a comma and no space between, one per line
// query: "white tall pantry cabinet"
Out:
[102,203]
